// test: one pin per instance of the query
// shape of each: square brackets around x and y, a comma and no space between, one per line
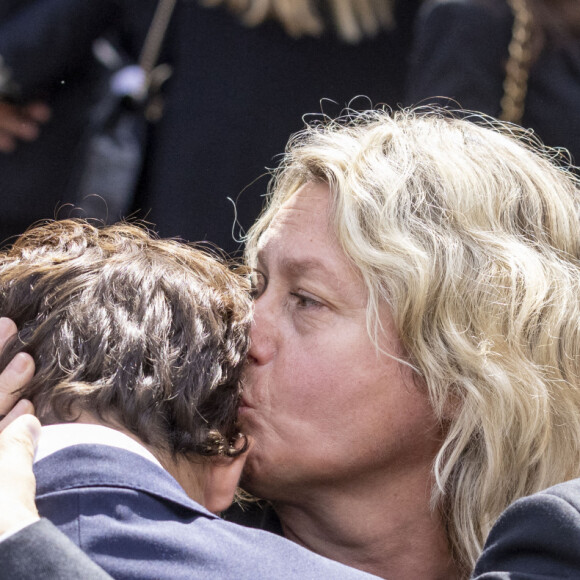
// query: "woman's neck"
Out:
[388,531]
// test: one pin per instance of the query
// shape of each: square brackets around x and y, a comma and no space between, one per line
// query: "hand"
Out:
[20,122]
[18,439]
[20,431]
[18,372]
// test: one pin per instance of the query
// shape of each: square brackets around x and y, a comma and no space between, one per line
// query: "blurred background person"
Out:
[514,59]
[235,64]
[43,116]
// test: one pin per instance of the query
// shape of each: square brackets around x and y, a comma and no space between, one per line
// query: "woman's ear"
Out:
[221,480]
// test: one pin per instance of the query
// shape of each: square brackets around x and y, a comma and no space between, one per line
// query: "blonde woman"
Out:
[414,360]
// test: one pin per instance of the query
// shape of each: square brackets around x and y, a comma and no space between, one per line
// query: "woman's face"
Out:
[321,404]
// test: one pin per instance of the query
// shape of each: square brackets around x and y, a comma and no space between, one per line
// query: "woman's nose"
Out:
[263,334]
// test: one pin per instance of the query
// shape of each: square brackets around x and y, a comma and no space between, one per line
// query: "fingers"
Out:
[7,330]
[7,142]
[17,484]
[38,111]
[15,121]
[20,123]
[23,407]
[18,372]
[20,431]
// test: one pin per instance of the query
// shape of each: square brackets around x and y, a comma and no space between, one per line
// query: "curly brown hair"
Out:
[146,333]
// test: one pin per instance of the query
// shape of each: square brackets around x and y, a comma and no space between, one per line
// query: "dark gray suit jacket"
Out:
[41,552]
[134,520]
[236,94]
[536,538]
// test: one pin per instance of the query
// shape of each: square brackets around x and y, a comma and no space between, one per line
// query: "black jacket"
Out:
[536,538]
[460,51]
[235,96]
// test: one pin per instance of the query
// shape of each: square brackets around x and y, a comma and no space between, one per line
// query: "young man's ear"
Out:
[221,479]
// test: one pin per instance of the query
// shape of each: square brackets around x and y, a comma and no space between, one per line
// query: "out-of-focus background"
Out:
[243,75]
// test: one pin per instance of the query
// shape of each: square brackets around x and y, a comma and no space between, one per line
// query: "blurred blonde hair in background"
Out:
[353,19]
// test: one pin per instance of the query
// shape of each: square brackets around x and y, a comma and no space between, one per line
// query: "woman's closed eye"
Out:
[258,282]
[303,300]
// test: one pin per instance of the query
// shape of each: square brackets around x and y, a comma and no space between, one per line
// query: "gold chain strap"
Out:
[155,35]
[156,74]
[515,84]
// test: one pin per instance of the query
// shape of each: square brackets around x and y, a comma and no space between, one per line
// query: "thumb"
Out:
[19,439]
[17,484]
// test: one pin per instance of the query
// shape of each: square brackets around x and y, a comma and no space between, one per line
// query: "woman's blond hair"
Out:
[471,234]
[353,19]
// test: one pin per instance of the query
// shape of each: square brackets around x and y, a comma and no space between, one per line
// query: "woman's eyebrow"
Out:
[297,267]
[300,267]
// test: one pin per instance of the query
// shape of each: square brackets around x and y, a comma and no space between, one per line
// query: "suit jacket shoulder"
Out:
[55,556]
[134,520]
[536,537]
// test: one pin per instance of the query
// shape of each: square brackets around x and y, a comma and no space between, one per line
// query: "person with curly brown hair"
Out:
[139,344]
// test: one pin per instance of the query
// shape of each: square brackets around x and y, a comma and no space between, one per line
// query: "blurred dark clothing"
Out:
[537,538]
[35,177]
[460,52]
[234,98]
[259,515]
